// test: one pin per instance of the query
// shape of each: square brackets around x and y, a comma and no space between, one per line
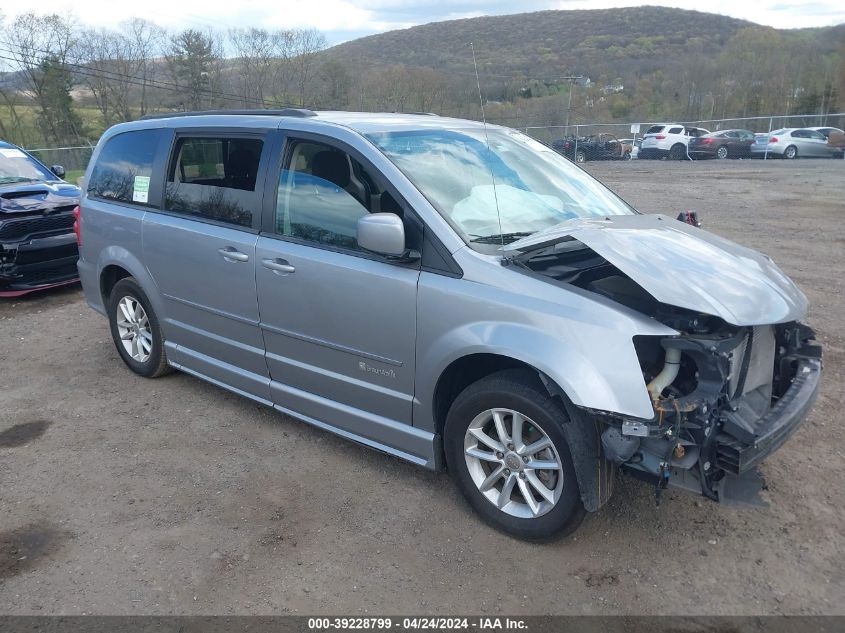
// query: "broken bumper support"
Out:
[739,455]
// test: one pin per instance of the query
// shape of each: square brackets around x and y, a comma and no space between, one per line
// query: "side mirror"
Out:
[58,170]
[382,233]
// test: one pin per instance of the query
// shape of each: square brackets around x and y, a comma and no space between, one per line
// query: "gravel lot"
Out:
[122,495]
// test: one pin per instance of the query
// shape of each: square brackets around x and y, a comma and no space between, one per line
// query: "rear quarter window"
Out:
[124,167]
[215,178]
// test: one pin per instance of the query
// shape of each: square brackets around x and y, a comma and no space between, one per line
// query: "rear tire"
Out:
[511,410]
[678,152]
[722,152]
[136,331]
[790,152]
[580,157]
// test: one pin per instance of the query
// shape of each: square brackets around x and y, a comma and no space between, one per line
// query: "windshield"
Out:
[18,166]
[535,187]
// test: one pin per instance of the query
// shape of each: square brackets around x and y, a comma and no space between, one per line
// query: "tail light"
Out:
[660,137]
[689,217]
[77,224]
[773,139]
[706,141]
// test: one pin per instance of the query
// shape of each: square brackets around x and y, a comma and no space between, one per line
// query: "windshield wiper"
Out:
[502,238]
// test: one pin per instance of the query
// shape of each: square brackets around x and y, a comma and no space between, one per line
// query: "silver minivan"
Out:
[454,294]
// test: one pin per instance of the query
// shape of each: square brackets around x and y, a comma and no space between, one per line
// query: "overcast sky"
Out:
[343,20]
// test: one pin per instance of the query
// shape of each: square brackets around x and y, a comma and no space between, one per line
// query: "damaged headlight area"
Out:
[724,398]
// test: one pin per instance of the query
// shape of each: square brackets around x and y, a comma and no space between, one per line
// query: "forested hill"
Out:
[646,62]
[538,44]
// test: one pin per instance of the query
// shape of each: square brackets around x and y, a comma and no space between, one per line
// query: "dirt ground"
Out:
[121,495]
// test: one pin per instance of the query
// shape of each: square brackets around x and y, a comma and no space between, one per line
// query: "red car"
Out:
[723,144]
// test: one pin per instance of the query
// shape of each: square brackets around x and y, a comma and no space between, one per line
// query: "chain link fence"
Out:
[622,141]
[581,142]
[73,159]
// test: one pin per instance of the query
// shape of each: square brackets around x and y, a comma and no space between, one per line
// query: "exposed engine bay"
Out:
[724,396]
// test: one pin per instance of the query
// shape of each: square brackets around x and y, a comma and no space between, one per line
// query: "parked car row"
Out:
[675,141]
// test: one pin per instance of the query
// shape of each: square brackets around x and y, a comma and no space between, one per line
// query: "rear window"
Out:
[124,167]
[654,129]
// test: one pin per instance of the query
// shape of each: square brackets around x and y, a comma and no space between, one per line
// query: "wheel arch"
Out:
[677,145]
[116,263]
[582,431]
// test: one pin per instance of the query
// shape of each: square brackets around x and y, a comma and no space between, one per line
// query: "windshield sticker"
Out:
[12,152]
[141,189]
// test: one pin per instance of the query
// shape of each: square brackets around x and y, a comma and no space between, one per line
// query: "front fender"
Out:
[602,375]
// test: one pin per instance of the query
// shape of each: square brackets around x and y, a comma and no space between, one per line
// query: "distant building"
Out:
[613,88]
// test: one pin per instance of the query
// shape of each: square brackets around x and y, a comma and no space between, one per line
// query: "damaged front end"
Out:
[737,378]
[723,401]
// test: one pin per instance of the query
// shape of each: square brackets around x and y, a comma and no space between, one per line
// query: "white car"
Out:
[668,140]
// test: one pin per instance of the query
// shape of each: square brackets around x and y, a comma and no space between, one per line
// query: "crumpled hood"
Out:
[28,197]
[684,266]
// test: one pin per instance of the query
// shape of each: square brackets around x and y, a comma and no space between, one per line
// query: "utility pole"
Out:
[572,81]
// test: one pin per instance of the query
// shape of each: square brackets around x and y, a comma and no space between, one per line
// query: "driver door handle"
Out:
[278,265]
[233,255]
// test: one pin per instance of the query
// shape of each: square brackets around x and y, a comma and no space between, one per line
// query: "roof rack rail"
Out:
[424,113]
[294,112]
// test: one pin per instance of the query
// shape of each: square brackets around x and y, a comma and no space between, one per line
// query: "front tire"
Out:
[135,330]
[790,152]
[506,450]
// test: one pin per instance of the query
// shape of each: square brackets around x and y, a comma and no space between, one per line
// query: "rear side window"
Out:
[654,129]
[124,168]
[214,178]
[676,130]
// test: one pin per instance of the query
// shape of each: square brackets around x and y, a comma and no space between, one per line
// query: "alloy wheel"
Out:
[722,152]
[513,463]
[133,327]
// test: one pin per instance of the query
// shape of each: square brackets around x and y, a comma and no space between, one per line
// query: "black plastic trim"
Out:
[782,420]
[291,112]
